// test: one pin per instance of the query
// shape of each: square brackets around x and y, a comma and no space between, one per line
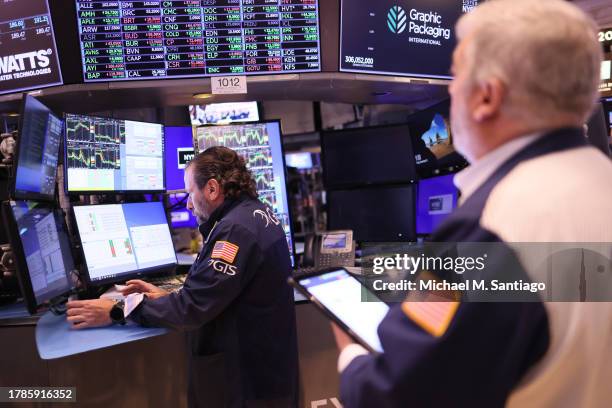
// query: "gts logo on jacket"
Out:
[222,267]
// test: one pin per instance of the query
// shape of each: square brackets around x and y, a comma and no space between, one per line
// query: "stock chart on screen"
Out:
[104,154]
[260,146]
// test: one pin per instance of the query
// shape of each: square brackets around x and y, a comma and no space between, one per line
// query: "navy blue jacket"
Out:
[238,311]
[487,348]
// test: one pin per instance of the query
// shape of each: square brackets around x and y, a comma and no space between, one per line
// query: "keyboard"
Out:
[169,283]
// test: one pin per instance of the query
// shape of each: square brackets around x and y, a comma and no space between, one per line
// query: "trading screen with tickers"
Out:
[260,145]
[105,154]
[127,40]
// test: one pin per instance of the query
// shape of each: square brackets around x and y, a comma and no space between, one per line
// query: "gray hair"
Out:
[545,51]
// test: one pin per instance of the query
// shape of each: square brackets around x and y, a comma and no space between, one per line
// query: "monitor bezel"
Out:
[282,148]
[153,270]
[102,192]
[410,179]
[22,271]
[32,196]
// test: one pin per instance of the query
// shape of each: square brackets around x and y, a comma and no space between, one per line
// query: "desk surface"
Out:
[55,338]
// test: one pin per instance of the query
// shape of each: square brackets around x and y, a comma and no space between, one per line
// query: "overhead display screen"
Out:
[400,37]
[28,58]
[128,40]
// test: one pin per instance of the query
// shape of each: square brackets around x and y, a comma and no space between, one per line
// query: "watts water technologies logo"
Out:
[396,20]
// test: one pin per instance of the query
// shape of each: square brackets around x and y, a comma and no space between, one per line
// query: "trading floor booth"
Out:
[82,252]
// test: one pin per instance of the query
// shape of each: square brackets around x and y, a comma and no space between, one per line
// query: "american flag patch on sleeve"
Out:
[225,250]
[433,317]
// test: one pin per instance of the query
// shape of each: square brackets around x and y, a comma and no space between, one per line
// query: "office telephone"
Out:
[329,249]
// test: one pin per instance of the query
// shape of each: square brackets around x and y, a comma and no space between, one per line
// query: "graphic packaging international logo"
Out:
[396,20]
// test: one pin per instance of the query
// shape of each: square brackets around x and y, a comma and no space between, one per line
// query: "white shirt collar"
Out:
[472,177]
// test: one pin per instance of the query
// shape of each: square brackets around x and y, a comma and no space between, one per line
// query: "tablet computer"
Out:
[342,298]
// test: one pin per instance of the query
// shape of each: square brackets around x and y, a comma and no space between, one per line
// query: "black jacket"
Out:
[238,311]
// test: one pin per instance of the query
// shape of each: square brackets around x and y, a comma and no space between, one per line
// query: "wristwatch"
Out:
[116,313]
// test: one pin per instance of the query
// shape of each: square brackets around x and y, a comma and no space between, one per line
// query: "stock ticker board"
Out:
[129,40]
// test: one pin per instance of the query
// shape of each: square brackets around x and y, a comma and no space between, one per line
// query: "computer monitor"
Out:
[299,160]
[412,38]
[260,145]
[29,57]
[220,113]
[375,214]
[367,156]
[436,199]
[157,40]
[113,155]
[180,216]
[42,250]
[432,140]
[179,151]
[40,133]
[121,241]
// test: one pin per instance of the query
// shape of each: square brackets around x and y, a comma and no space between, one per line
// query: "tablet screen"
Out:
[341,294]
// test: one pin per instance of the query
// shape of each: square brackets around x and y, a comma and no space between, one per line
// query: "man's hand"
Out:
[89,313]
[139,286]
[342,339]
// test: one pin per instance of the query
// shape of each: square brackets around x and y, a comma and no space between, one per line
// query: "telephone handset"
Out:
[329,249]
